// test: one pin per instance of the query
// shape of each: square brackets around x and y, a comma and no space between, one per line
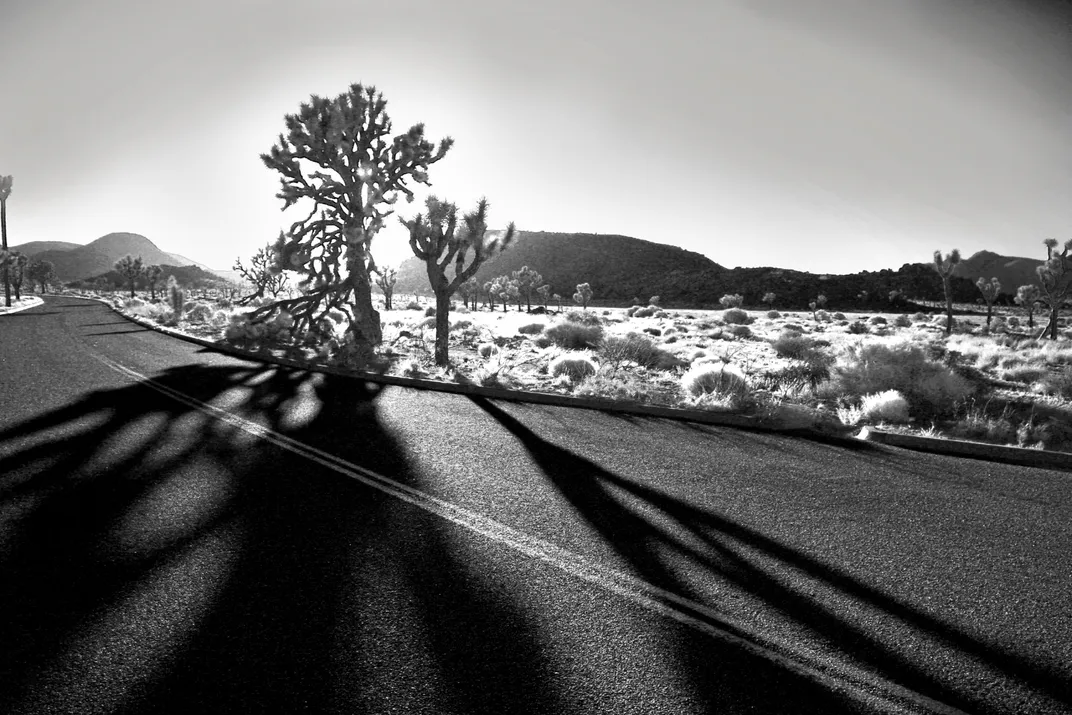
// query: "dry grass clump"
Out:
[574,365]
[634,347]
[623,387]
[570,335]
[1027,374]
[792,344]
[486,350]
[719,378]
[531,329]
[583,317]
[888,406]
[930,387]
[736,316]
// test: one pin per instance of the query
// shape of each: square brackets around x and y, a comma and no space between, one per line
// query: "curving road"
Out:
[182,531]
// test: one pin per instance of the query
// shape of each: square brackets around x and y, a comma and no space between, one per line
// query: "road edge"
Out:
[972,450]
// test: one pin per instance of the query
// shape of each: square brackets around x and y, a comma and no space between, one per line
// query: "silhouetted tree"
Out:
[152,275]
[945,267]
[41,272]
[6,182]
[439,241]
[339,156]
[130,269]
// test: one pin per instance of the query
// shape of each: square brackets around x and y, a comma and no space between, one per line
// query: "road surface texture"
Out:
[183,531]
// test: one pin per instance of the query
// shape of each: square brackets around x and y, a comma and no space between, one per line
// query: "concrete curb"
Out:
[972,450]
[6,311]
[539,398]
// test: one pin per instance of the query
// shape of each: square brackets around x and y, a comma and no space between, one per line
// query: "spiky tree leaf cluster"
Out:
[945,267]
[261,274]
[991,290]
[1028,297]
[444,241]
[1055,280]
[544,292]
[130,269]
[528,280]
[339,159]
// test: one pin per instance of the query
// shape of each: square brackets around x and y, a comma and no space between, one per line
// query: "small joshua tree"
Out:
[176,297]
[439,241]
[130,269]
[262,274]
[16,263]
[152,275]
[583,295]
[654,300]
[558,299]
[1055,280]
[816,305]
[731,300]
[768,300]
[489,297]
[41,272]
[386,277]
[991,290]
[545,293]
[470,293]
[945,267]
[1027,296]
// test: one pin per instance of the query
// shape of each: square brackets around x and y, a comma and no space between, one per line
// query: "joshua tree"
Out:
[991,290]
[152,275]
[545,293]
[655,300]
[1028,297]
[261,274]
[469,291]
[816,305]
[527,281]
[489,297]
[176,297]
[131,270]
[945,267]
[6,183]
[1055,280]
[339,156]
[17,265]
[386,277]
[439,241]
[558,299]
[41,272]
[583,295]
[768,299]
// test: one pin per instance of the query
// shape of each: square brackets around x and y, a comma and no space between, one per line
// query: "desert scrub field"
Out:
[894,371]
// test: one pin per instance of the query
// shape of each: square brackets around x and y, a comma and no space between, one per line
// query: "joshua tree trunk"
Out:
[3,237]
[442,325]
[366,321]
[948,307]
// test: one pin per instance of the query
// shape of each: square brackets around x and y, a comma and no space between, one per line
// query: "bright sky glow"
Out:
[829,136]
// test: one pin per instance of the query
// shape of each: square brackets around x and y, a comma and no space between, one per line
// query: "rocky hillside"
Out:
[75,262]
[1011,271]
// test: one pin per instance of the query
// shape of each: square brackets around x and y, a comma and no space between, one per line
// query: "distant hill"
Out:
[620,268]
[74,262]
[617,267]
[1012,272]
[187,276]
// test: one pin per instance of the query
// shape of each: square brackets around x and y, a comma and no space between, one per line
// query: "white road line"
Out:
[803,661]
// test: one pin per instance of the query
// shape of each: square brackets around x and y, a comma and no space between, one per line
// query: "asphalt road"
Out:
[182,531]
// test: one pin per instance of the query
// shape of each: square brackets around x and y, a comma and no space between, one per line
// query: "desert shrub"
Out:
[1027,374]
[888,406]
[575,365]
[427,323]
[531,329]
[429,312]
[741,331]
[858,327]
[583,317]
[632,347]
[822,316]
[199,313]
[773,314]
[671,339]
[723,379]
[461,324]
[133,303]
[1058,383]
[1012,321]
[902,321]
[623,387]
[653,331]
[877,320]
[794,326]
[736,316]
[792,344]
[644,311]
[660,314]
[574,336]
[486,350]
[413,305]
[839,316]
[806,374]
[930,387]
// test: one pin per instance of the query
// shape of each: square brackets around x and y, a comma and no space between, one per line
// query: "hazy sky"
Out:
[822,135]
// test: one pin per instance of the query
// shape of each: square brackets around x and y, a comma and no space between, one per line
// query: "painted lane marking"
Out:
[802,661]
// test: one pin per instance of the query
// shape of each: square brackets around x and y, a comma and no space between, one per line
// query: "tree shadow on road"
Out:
[619,510]
[156,559]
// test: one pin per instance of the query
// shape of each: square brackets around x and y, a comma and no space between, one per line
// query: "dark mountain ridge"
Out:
[76,262]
